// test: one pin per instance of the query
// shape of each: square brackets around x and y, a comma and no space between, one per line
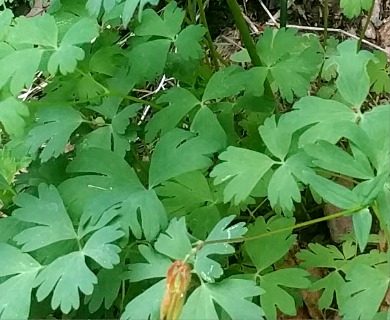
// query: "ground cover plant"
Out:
[145,176]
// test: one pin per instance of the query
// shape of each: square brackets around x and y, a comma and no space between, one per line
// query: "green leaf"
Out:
[276,296]
[230,81]
[49,213]
[362,222]
[6,17]
[38,30]
[181,102]
[113,136]
[269,249]
[187,42]
[292,60]
[65,276]
[366,288]
[231,294]
[351,65]
[156,267]
[131,5]
[181,151]
[332,284]
[322,114]
[283,186]
[66,56]
[168,26]
[332,192]
[99,248]
[276,138]
[243,169]
[379,73]
[12,114]
[15,292]
[19,68]
[93,6]
[185,193]
[352,8]
[54,126]
[147,304]
[153,54]
[144,213]
[99,185]
[376,124]
[204,266]
[106,290]
[333,158]
[174,242]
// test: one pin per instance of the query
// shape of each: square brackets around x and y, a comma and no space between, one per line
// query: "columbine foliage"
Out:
[98,202]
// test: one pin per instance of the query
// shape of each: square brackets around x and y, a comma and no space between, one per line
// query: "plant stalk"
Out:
[248,41]
[363,32]
[297,226]
[326,21]
[283,13]
[213,51]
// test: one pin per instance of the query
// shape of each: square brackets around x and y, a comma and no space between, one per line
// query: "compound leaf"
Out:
[268,250]
[366,288]
[181,102]
[66,56]
[147,304]
[276,296]
[54,126]
[210,269]
[49,213]
[156,267]
[65,276]
[243,169]
[12,113]
[167,26]
[181,151]
[187,42]
[19,68]
[351,65]
[38,30]
[233,295]
[107,289]
[15,292]
[352,8]
[174,242]
[292,61]
[379,73]
[99,248]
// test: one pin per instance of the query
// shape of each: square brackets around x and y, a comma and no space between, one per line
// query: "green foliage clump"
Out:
[98,204]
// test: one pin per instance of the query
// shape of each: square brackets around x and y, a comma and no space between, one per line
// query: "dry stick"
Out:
[362,33]
[337,31]
[272,18]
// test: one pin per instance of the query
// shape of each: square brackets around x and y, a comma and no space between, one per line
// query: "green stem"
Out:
[362,33]
[283,13]
[297,226]
[191,11]
[248,41]
[213,51]
[326,15]
[244,32]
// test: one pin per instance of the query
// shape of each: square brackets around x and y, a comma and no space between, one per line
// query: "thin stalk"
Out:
[191,11]
[326,16]
[362,33]
[248,41]
[283,13]
[297,226]
[213,51]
